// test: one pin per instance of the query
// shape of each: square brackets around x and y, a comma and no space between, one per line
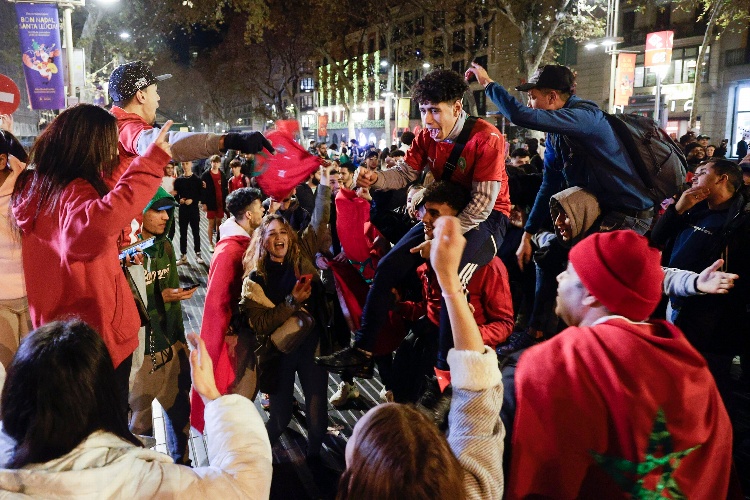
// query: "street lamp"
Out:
[125,35]
[426,65]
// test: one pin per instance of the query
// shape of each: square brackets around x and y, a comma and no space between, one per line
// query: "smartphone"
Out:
[190,286]
[305,279]
[136,247]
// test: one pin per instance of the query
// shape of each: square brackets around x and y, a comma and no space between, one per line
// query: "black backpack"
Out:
[658,160]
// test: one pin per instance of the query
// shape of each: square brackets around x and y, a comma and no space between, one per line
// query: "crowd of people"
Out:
[541,324]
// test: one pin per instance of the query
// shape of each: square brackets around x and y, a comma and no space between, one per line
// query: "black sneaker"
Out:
[350,360]
[516,342]
[436,403]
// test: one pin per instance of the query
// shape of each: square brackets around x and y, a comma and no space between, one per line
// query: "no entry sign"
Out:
[10,97]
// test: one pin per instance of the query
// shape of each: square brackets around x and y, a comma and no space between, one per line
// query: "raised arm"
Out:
[475,432]
[88,219]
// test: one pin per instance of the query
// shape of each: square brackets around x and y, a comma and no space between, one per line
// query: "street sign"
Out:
[10,97]
[659,48]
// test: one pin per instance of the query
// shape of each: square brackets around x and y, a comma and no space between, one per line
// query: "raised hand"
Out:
[202,369]
[6,122]
[476,70]
[446,250]
[161,140]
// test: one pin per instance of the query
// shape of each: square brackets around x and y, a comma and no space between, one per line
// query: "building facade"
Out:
[723,109]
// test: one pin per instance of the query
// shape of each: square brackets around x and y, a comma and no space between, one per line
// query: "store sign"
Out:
[625,78]
[659,48]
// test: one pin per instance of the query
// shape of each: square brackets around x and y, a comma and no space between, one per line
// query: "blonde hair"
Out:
[255,256]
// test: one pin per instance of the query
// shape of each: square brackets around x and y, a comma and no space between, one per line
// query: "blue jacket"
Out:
[614,181]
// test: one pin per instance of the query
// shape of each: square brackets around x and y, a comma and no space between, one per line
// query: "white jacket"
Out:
[105,466]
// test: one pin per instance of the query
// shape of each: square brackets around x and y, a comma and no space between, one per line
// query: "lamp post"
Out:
[613,8]
[389,94]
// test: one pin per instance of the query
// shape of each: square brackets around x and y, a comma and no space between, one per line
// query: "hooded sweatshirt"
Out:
[70,256]
[160,267]
[581,208]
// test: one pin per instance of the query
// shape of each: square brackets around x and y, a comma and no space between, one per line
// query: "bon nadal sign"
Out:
[39,32]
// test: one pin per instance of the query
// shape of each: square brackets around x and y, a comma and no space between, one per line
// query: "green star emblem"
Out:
[660,459]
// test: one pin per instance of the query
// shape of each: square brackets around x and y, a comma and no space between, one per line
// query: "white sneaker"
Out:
[198,258]
[386,396]
[182,261]
[211,248]
[344,394]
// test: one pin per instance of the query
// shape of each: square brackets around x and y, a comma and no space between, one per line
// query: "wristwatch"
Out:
[291,301]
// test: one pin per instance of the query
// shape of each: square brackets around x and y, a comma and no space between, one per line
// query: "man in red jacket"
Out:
[133,88]
[229,354]
[616,406]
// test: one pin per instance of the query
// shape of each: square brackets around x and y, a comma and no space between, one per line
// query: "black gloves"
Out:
[247,142]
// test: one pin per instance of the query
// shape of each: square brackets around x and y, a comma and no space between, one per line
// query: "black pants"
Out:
[190,215]
[482,243]
[314,381]
[414,360]
[122,380]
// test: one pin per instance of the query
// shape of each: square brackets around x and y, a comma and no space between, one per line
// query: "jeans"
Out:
[614,220]
[482,243]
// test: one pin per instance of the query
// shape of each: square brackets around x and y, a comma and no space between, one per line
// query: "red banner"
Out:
[322,125]
[659,48]
[625,78]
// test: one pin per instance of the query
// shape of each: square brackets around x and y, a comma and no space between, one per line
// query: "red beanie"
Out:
[621,271]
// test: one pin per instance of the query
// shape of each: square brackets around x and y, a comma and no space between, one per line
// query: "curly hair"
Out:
[440,85]
[239,199]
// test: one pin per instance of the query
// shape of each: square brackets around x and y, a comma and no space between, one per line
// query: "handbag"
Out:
[293,331]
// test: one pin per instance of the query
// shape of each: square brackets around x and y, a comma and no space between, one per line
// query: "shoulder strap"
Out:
[458,148]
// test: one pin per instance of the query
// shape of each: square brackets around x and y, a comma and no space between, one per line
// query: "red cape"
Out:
[594,401]
[222,297]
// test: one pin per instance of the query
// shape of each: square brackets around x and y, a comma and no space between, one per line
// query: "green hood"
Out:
[160,200]
[160,266]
